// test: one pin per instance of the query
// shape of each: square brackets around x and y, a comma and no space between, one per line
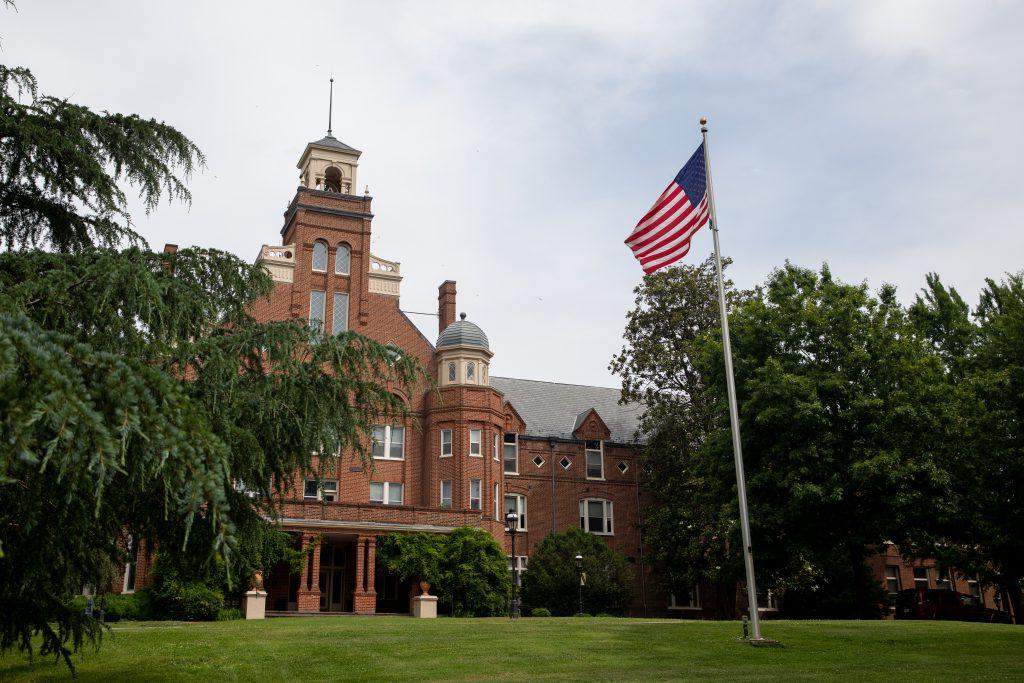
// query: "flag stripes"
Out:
[662,236]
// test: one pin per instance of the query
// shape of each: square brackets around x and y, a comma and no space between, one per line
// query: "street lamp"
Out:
[511,526]
[579,581]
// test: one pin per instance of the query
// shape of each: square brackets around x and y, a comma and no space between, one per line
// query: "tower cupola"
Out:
[463,354]
[329,164]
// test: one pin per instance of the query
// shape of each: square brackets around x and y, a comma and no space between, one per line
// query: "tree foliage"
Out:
[467,568]
[552,581]
[138,396]
[846,417]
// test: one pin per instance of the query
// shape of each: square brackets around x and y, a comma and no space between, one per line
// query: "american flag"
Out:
[662,236]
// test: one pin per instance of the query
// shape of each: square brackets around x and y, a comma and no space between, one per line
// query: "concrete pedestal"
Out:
[254,604]
[424,607]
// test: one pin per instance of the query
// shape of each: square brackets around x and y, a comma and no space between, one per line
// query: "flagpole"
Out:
[734,415]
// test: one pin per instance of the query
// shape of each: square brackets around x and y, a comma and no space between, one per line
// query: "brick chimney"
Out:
[170,248]
[445,305]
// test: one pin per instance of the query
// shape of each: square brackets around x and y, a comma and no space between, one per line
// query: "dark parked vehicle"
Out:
[938,603]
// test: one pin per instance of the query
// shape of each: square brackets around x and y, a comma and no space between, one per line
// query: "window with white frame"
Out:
[497,502]
[320,256]
[920,577]
[691,600]
[339,315]
[451,372]
[892,579]
[942,580]
[446,493]
[496,456]
[511,453]
[522,563]
[476,493]
[596,516]
[342,260]
[475,443]
[317,310]
[470,372]
[595,460]
[446,443]
[517,504]
[322,490]
[387,493]
[388,442]
[974,587]
[131,566]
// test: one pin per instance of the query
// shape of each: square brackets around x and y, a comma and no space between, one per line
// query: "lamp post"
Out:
[579,581]
[511,526]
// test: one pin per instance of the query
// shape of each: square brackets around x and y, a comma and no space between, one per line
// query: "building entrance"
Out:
[337,579]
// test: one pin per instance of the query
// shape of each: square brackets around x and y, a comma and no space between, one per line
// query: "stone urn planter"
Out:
[425,587]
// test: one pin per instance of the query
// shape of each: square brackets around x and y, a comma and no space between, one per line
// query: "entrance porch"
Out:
[340,576]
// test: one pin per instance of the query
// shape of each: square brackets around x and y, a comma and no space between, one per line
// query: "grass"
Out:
[400,648]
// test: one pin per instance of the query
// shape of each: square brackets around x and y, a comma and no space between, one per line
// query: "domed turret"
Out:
[463,354]
[463,333]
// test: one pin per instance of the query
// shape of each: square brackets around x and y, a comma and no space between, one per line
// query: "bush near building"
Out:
[466,568]
[553,581]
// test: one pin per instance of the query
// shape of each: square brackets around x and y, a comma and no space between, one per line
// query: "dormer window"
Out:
[470,371]
[342,260]
[319,256]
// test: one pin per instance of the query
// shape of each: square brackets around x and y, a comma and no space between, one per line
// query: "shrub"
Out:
[229,614]
[540,612]
[137,606]
[189,601]
[552,579]
[467,568]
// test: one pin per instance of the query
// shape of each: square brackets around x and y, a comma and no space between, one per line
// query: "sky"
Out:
[512,146]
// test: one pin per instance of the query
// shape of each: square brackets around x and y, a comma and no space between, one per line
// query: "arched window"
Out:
[320,256]
[470,371]
[451,372]
[342,259]
[332,179]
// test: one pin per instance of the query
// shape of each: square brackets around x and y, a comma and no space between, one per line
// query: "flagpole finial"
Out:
[704,124]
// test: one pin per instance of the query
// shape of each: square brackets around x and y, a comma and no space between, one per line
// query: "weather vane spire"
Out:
[330,107]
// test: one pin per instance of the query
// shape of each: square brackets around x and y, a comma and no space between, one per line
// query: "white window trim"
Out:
[480,495]
[387,443]
[337,250]
[322,320]
[320,485]
[451,494]
[387,492]
[607,515]
[522,561]
[497,447]
[520,510]
[327,256]
[479,443]
[503,445]
[587,452]
[497,501]
[451,447]
[695,606]
[334,312]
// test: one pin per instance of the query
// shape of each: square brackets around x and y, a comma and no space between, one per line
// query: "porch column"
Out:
[308,598]
[366,565]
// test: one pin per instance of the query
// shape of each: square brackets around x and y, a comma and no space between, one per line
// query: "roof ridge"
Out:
[564,384]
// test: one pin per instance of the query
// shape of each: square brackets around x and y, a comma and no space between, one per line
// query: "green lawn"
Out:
[400,648]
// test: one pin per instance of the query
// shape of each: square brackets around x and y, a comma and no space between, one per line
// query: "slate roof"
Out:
[551,409]
[463,332]
[332,142]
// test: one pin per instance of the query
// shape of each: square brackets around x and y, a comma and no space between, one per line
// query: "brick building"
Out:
[559,455]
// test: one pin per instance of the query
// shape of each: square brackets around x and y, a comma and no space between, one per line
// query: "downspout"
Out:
[551,464]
